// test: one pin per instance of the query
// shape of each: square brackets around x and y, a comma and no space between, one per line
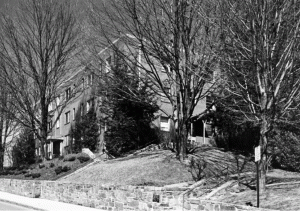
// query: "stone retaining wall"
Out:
[114,198]
[29,188]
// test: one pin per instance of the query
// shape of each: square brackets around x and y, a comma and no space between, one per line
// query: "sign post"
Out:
[257,159]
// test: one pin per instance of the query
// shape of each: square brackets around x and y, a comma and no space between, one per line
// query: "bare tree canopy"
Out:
[260,57]
[37,47]
[171,43]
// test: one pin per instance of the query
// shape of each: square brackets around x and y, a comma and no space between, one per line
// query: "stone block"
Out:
[217,207]
[120,195]
[143,206]
[119,205]
[187,205]
[88,152]
[102,195]
[227,207]
[134,203]
[201,207]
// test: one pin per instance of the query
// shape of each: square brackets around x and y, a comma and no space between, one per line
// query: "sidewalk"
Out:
[41,204]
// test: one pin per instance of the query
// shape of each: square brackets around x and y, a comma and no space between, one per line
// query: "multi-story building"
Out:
[80,93]
[84,98]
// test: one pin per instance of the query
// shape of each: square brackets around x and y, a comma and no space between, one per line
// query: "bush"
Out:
[27,175]
[58,170]
[36,175]
[70,157]
[197,168]
[82,157]
[39,160]
[85,132]
[285,151]
[52,165]
[24,171]
[11,168]
[66,168]
[17,172]
[10,172]
[23,151]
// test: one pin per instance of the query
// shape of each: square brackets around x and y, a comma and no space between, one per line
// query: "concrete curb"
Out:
[21,204]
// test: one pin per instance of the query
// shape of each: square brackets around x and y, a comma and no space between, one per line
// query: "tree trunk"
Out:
[263,162]
[1,145]
[2,150]
[44,130]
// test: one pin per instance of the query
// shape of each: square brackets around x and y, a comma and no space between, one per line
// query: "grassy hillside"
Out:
[147,168]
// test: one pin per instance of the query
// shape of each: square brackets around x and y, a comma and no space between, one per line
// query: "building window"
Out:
[164,123]
[49,126]
[88,104]
[107,64]
[90,79]
[81,109]
[57,101]
[67,140]
[82,82]
[57,123]
[164,119]
[74,114]
[209,101]
[67,117]
[50,107]
[68,93]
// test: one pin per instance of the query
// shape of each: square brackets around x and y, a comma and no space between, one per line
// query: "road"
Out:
[9,207]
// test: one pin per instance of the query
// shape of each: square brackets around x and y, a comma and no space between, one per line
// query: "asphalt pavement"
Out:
[10,207]
[17,202]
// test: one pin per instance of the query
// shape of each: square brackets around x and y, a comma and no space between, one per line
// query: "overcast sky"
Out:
[4,2]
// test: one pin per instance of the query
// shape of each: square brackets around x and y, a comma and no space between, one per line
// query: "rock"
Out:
[88,152]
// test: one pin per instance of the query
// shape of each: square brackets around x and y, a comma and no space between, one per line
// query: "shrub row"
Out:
[70,157]
[82,157]
[33,175]
[61,169]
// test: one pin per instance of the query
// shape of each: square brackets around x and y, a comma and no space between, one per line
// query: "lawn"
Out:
[46,169]
[155,168]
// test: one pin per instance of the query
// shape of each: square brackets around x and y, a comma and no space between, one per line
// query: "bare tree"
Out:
[37,47]
[260,57]
[7,125]
[171,43]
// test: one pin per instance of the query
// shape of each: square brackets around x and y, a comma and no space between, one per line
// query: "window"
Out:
[81,109]
[67,140]
[88,106]
[50,107]
[68,93]
[57,101]
[107,64]
[164,119]
[164,123]
[82,82]
[90,79]
[74,114]
[57,123]
[167,85]
[49,126]
[67,117]
[209,101]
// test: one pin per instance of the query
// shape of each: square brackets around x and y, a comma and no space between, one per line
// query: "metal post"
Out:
[257,182]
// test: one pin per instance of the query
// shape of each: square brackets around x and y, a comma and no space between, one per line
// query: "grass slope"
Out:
[155,168]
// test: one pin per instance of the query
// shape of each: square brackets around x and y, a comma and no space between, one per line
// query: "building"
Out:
[84,98]
[80,94]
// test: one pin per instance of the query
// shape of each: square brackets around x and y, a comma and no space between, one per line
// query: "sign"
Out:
[257,154]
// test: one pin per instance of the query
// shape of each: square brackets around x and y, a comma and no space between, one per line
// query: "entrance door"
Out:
[56,148]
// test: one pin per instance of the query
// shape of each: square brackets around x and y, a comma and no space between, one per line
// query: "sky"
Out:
[4,2]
